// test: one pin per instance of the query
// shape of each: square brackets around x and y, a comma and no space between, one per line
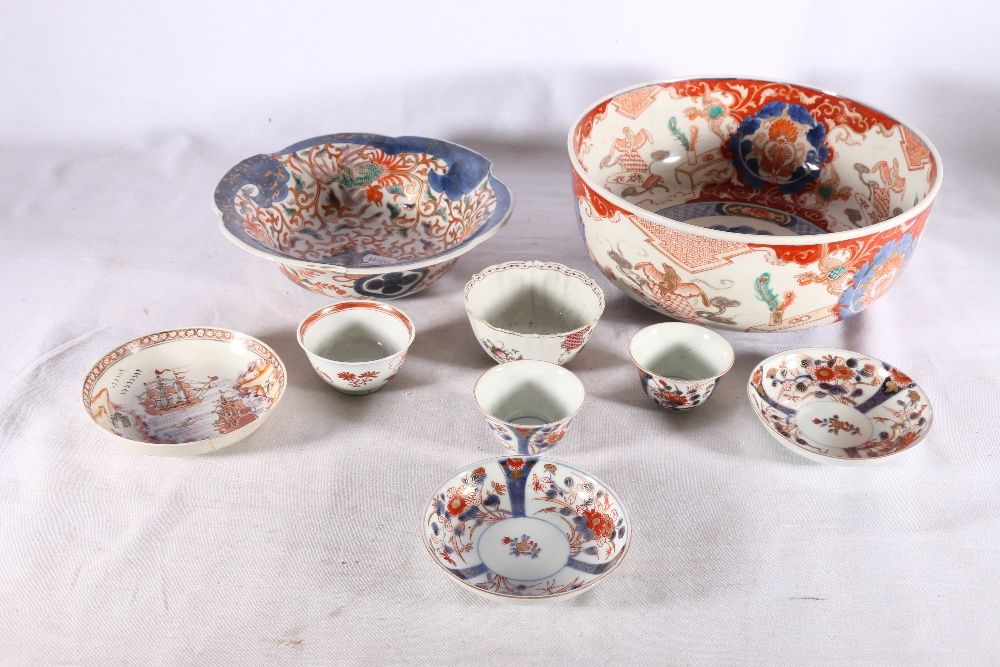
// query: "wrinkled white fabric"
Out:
[300,545]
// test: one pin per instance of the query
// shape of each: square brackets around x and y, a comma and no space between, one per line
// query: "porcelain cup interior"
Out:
[529,393]
[356,332]
[680,351]
[534,301]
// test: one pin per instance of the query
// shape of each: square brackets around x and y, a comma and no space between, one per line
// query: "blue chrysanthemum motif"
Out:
[781,145]
[874,278]
[390,285]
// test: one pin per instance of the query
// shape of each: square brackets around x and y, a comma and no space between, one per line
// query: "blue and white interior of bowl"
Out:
[363,215]
[526,529]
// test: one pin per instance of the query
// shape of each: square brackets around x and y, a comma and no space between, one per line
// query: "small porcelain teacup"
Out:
[680,364]
[529,404]
[533,310]
[356,346]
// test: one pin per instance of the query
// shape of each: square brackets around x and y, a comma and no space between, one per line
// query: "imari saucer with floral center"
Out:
[526,530]
[839,407]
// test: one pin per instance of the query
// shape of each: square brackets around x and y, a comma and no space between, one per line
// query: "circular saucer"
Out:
[525,529]
[184,391]
[839,407]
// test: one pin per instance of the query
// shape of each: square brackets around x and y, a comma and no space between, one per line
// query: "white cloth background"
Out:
[300,544]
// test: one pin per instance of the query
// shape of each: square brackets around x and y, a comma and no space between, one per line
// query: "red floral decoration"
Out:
[457,502]
[515,468]
[601,524]
[373,194]
[825,374]
[902,379]
[844,372]
[575,340]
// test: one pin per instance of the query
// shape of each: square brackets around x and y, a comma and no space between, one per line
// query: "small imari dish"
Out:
[529,404]
[533,310]
[356,346]
[184,391]
[363,216]
[525,530]
[839,407]
[680,364]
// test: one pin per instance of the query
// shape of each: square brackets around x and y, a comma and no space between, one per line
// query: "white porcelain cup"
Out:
[356,346]
[680,364]
[533,310]
[529,404]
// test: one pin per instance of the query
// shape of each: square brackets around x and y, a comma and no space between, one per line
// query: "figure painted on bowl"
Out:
[833,269]
[821,193]
[877,206]
[713,108]
[635,174]
[667,288]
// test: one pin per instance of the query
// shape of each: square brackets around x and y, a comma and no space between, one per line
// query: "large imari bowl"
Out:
[363,216]
[184,391]
[750,205]
[525,529]
[839,407]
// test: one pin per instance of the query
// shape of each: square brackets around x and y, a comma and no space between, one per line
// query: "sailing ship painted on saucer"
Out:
[173,392]
[184,391]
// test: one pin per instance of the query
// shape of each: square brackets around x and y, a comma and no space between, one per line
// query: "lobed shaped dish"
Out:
[748,204]
[363,216]
[839,407]
[527,530]
[184,391]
